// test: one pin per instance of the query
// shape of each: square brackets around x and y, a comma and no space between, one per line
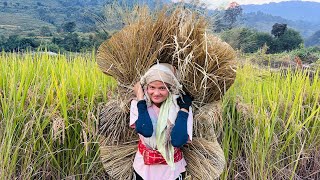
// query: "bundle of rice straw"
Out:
[206,68]
[205,159]
[205,63]
[207,120]
[114,123]
[117,160]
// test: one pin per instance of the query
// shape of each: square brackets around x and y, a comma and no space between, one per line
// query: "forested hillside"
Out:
[24,17]
[292,10]
[263,22]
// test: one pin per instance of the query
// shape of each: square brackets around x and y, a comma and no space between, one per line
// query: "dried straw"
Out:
[206,64]
[205,159]
[118,160]
[114,123]
[206,120]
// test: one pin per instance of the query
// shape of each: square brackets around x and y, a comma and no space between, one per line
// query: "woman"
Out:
[163,121]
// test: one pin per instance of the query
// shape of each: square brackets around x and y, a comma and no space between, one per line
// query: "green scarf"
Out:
[162,135]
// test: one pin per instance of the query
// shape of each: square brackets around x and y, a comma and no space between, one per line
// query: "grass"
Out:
[271,125]
[48,116]
[49,106]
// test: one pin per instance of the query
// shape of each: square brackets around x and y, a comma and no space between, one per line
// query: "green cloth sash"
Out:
[162,135]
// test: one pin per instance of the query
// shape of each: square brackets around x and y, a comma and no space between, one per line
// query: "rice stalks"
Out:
[205,159]
[114,123]
[206,65]
[117,160]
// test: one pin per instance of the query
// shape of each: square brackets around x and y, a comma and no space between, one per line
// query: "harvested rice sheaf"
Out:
[118,159]
[114,123]
[205,159]
[206,65]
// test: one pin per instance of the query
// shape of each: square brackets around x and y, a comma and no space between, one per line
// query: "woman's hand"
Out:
[137,89]
[185,102]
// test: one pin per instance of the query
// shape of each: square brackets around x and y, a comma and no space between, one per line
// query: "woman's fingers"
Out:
[138,91]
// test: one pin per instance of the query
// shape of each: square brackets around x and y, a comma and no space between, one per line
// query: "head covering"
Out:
[169,108]
[162,72]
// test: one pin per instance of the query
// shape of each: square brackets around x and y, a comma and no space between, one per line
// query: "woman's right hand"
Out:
[137,89]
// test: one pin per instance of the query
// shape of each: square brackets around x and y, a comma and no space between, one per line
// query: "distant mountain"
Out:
[264,22]
[291,10]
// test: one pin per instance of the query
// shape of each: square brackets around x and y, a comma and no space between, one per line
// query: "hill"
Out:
[291,10]
[28,16]
[263,22]
[25,17]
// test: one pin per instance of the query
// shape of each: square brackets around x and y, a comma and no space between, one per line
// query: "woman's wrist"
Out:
[140,98]
[185,110]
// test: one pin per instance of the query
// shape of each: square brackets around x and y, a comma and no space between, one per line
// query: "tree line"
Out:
[248,40]
[67,40]
[228,24]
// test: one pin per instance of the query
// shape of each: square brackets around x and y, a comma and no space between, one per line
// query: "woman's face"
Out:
[158,92]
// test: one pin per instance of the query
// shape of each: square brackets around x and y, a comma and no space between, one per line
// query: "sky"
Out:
[212,4]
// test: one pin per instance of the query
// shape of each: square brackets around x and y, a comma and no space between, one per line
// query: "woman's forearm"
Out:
[143,124]
[179,133]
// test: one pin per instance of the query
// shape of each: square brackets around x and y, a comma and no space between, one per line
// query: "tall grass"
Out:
[271,125]
[49,106]
[48,116]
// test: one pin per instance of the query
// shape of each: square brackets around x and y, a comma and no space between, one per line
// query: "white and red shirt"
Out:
[158,171]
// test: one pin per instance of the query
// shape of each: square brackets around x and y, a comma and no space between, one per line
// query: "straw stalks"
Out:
[118,160]
[114,124]
[205,159]
[205,64]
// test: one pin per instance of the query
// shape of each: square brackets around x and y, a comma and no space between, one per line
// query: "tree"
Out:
[45,31]
[231,14]
[15,43]
[278,29]
[71,42]
[288,41]
[69,27]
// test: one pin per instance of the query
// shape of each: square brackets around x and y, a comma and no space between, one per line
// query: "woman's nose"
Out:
[156,92]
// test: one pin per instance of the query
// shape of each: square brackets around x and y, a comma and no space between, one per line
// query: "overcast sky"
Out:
[223,3]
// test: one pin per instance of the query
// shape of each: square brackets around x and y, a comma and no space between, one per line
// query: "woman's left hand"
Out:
[185,102]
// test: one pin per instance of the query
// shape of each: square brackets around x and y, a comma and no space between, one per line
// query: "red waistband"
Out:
[151,157]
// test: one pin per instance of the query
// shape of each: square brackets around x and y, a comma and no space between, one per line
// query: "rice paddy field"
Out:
[49,108]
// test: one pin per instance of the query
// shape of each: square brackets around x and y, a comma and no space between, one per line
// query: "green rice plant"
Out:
[48,123]
[49,106]
[271,124]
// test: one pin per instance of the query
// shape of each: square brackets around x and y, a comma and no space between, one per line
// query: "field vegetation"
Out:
[50,103]
[49,107]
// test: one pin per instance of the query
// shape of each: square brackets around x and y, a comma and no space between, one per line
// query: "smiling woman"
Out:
[164,123]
